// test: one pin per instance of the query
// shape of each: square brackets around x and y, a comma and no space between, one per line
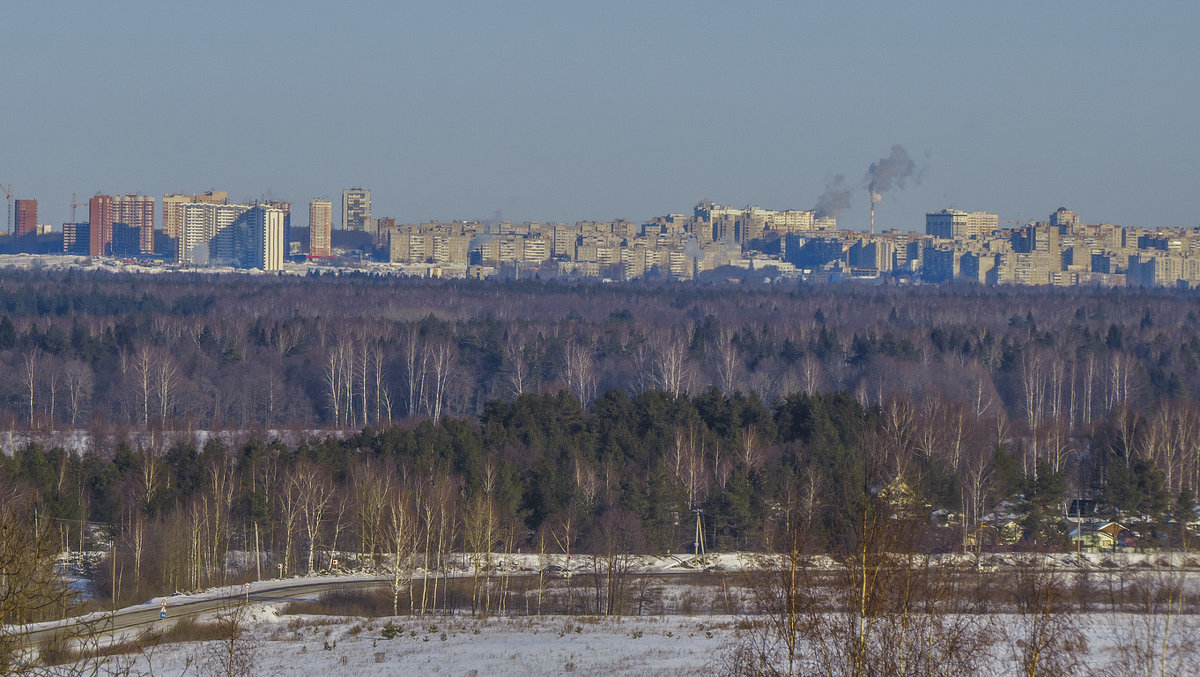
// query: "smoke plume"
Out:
[892,170]
[835,198]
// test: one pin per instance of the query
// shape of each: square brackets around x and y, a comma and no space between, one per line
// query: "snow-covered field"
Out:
[463,646]
[1114,566]
[672,645]
[682,642]
[68,261]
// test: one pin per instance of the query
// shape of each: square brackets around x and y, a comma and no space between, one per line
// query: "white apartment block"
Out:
[172,204]
[956,224]
[199,223]
[253,240]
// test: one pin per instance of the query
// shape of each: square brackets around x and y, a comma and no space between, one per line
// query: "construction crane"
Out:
[8,191]
[75,204]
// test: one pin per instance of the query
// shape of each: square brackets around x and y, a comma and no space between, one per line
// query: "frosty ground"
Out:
[462,646]
[671,645]
[690,637]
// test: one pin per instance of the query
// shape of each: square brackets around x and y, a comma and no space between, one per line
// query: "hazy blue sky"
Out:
[571,110]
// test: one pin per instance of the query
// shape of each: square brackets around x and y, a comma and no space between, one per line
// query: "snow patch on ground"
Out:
[465,646]
[523,646]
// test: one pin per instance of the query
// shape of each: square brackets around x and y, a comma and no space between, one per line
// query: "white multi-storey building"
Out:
[253,240]
[198,224]
[172,204]
[953,223]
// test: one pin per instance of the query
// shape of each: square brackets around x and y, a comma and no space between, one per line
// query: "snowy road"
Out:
[128,622]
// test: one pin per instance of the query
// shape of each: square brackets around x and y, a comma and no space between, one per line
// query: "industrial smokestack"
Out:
[895,169]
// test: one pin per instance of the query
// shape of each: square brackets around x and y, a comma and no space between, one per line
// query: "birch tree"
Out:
[727,359]
[33,365]
[579,370]
[77,377]
[315,492]
[402,541]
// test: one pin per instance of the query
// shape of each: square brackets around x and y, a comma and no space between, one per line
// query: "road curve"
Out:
[125,624]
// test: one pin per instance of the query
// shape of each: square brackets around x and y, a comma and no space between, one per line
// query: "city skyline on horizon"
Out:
[339,225]
[553,113]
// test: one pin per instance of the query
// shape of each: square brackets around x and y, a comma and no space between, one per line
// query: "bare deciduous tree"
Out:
[441,357]
[401,541]
[579,371]
[143,370]
[77,377]
[30,589]
[1044,639]
[516,366]
[314,491]
[1159,636]
[32,363]
[166,378]
[672,371]
[726,359]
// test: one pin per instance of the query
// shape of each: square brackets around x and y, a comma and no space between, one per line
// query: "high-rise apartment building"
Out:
[76,238]
[356,209]
[382,227]
[253,240]
[100,220]
[25,215]
[172,203]
[269,242]
[875,253]
[126,240]
[287,220]
[952,223]
[199,223]
[1064,218]
[137,212]
[320,228]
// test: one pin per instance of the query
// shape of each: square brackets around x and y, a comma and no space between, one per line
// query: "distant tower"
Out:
[199,224]
[286,207]
[320,228]
[100,220]
[253,240]
[76,238]
[356,209]
[137,212]
[1064,218]
[269,240]
[172,207]
[26,216]
[383,226]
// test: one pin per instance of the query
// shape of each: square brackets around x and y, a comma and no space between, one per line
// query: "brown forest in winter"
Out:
[242,352]
[403,420]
